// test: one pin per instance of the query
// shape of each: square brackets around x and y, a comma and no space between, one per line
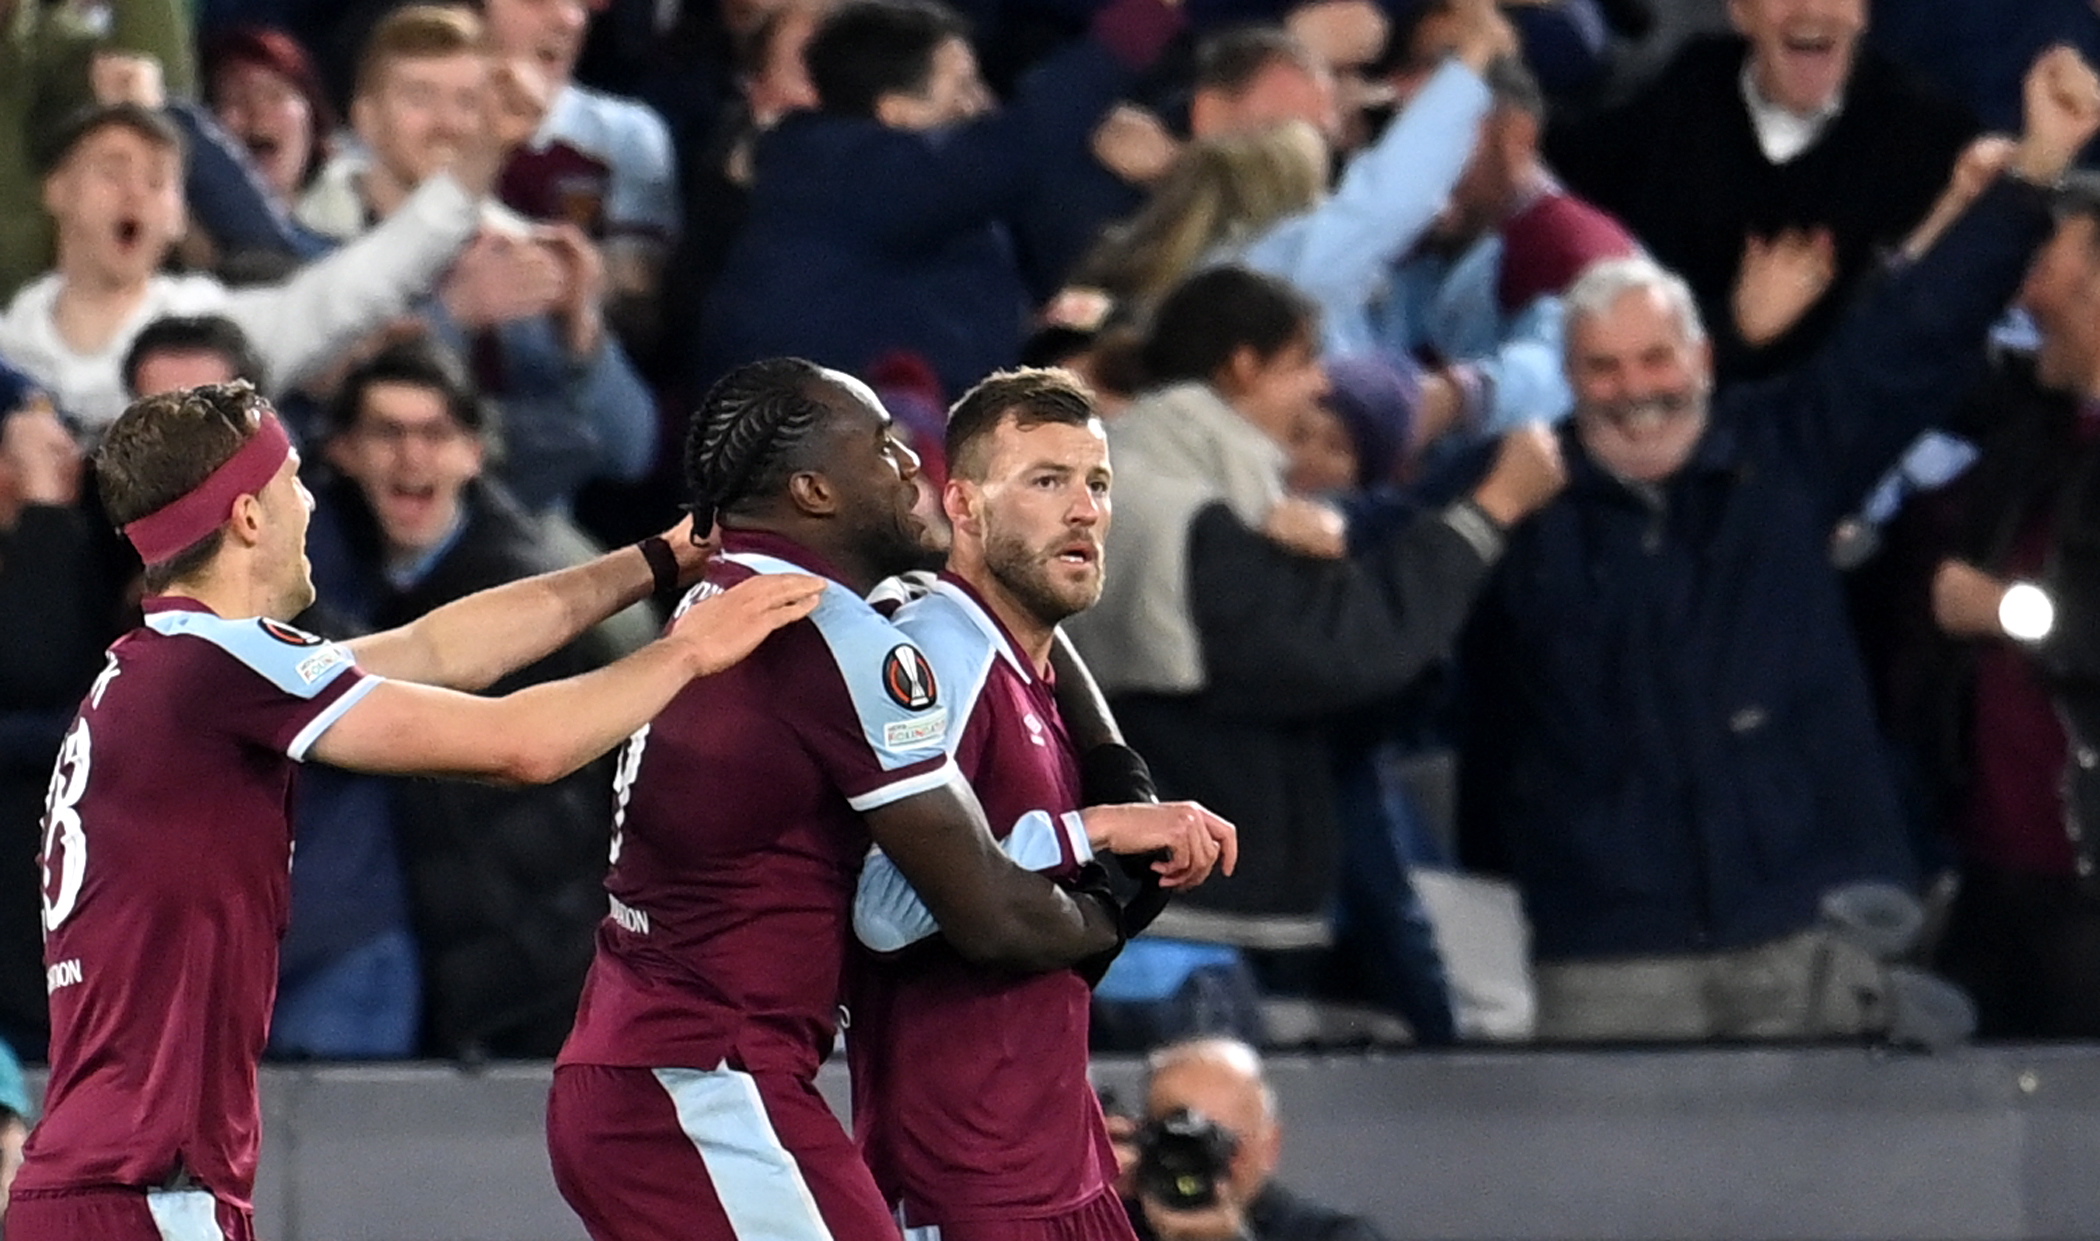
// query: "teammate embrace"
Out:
[685,1103]
[764,756]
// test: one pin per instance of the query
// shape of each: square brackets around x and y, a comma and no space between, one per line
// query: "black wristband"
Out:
[663,563]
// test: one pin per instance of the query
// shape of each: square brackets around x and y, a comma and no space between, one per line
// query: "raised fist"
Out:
[1528,472]
[2062,98]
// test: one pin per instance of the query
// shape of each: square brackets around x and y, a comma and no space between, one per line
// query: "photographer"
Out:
[1209,1148]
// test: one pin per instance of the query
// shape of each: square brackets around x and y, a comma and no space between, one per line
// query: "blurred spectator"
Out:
[1221,192]
[114,188]
[347,982]
[1251,77]
[417,103]
[1772,170]
[1226,654]
[672,55]
[904,189]
[1669,730]
[1435,244]
[601,163]
[234,218]
[1221,1080]
[503,883]
[268,96]
[1347,454]
[2005,571]
[187,351]
[1349,37]
[53,62]
[1480,295]
[771,81]
[57,615]
[524,304]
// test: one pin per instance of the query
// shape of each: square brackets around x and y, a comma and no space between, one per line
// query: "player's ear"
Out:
[959,500]
[246,522]
[813,494]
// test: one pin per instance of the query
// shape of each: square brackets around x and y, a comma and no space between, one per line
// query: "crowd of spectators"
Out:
[1475,406]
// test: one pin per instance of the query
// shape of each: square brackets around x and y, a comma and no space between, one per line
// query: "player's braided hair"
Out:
[745,437]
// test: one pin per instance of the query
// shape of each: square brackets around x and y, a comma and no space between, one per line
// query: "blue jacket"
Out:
[865,239]
[1669,730]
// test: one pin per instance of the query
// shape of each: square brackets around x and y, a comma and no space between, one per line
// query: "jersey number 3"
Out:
[65,843]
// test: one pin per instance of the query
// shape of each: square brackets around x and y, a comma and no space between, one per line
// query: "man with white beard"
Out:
[1669,733]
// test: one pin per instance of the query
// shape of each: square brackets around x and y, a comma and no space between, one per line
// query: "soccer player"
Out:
[685,1104]
[970,1092]
[167,847]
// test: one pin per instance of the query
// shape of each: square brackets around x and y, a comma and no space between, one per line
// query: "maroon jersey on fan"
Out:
[970,1091]
[737,836]
[167,876]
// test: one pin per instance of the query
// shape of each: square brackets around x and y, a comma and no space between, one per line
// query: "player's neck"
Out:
[227,590]
[1030,632]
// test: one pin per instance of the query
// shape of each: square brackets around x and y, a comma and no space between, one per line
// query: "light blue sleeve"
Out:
[887,912]
[1338,252]
[293,660]
[898,704]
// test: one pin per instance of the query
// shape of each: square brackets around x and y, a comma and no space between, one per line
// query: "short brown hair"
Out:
[417,32]
[1031,396]
[1231,59]
[85,123]
[162,448]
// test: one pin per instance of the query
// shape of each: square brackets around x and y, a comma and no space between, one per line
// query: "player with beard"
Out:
[970,1092]
[685,1102]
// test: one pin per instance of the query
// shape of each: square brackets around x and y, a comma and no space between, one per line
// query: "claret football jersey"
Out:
[970,1092]
[167,878]
[737,836]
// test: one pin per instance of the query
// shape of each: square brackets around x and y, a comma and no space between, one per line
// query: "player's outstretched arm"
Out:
[473,642]
[545,732]
[991,910]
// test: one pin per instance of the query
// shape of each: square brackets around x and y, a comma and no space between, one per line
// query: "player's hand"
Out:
[1194,839]
[692,548]
[2062,106]
[720,630]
